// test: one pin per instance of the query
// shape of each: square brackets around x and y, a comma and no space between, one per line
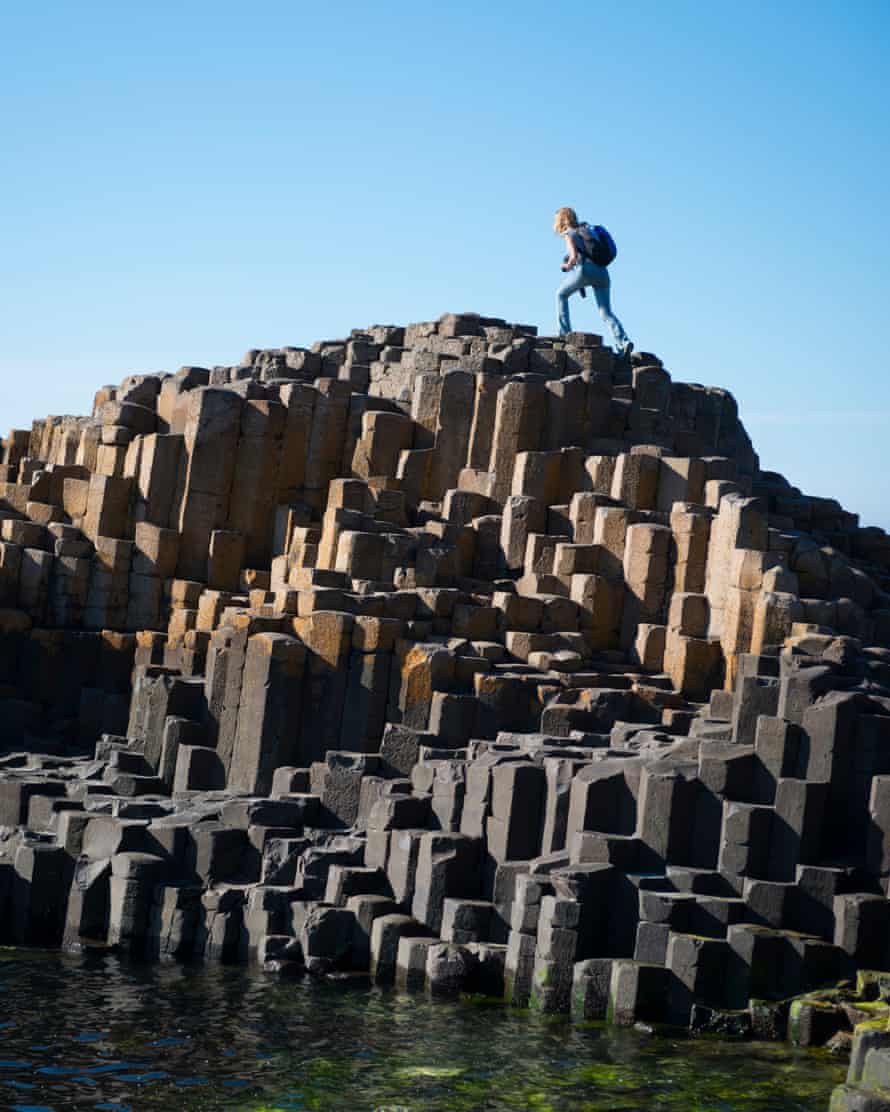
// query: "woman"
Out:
[587,273]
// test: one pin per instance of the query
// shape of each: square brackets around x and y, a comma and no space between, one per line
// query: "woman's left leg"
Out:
[604,304]
[572,282]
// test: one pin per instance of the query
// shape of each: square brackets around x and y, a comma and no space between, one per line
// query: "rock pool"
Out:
[99,1032]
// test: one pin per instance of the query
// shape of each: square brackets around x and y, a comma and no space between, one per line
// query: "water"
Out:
[103,1033]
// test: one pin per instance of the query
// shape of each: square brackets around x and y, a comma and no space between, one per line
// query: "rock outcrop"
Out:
[464,656]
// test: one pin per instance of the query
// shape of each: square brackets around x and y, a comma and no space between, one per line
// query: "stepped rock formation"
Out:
[466,656]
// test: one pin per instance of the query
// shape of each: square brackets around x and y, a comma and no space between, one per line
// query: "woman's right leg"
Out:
[604,304]
[572,282]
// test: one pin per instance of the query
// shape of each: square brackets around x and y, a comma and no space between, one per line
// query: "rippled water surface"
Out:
[103,1033]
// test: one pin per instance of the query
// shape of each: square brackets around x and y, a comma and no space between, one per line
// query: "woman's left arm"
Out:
[572,260]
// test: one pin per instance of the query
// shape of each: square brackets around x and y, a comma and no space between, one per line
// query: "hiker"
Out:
[590,250]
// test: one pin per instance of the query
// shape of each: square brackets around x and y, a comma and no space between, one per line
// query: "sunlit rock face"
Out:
[472,659]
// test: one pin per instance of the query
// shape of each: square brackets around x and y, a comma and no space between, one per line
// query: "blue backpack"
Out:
[598,245]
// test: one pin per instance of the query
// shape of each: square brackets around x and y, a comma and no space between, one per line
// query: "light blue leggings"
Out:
[589,274]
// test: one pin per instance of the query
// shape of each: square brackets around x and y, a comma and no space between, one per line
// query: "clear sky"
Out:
[183,181]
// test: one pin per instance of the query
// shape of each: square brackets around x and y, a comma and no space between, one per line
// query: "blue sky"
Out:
[181,182]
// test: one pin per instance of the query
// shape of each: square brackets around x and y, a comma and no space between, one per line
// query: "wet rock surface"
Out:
[463,658]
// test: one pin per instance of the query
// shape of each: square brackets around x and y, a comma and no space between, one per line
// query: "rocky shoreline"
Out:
[466,658]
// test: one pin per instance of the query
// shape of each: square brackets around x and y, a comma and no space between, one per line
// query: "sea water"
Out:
[102,1032]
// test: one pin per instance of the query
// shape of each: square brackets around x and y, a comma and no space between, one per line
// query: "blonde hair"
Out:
[565,219]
